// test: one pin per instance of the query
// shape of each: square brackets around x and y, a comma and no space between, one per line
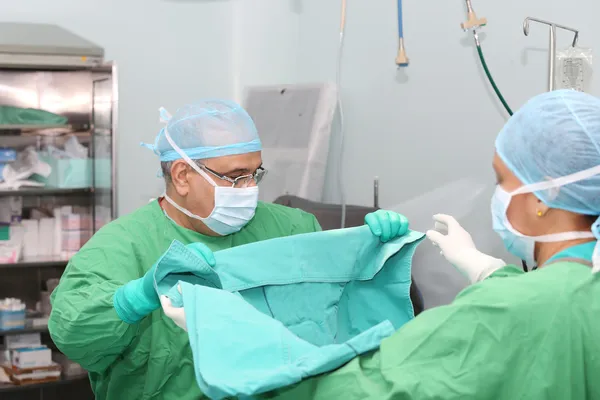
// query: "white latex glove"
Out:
[176,314]
[458,248]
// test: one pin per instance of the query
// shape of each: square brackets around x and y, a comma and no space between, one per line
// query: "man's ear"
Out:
[179,177]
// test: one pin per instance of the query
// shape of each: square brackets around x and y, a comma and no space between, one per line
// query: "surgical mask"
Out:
[234,207]
[521,245]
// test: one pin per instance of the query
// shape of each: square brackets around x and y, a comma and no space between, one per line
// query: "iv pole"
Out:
[552,50]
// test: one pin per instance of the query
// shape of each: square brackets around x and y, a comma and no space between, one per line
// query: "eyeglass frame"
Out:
[234,181]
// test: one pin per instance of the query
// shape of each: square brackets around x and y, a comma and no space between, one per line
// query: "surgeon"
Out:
[510,335]
[105,312]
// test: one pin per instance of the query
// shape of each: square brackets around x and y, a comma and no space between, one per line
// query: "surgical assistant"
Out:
[106,314]
[511,334]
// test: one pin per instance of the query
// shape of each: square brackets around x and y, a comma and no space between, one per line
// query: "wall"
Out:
[168,52]
[428,130]
[266,42]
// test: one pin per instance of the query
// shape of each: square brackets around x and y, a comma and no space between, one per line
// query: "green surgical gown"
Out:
[512,336]
[151,359]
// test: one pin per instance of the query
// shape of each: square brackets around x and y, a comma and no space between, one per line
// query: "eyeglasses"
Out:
[241,181]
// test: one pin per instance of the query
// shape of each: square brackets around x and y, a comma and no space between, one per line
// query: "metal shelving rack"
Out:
[45,192]
[8,388]
[46,67]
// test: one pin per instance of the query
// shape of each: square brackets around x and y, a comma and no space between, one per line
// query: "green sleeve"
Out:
[84,324]
[305,223]
[467,350]
[316,227]
[507,271]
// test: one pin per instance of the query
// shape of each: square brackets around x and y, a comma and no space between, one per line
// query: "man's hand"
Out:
[176,314]
[387,225]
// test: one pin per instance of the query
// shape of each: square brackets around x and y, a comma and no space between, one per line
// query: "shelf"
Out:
[30,329]
[103,131]
[32,127]
[37,262]
[6,387]
[43,191]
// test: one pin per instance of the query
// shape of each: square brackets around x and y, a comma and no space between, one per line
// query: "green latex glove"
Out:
[387,225]
[138,298]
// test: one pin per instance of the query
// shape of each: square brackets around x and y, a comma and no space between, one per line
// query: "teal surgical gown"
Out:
[270,313]
[151,359]
[512,336]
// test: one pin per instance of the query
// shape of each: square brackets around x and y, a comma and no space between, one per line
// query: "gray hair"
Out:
[165,167]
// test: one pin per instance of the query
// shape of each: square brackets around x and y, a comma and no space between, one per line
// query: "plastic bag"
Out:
[574,69]
[28,163]
[72,150]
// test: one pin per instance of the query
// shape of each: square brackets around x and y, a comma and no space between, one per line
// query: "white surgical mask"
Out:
[521,245]
[234,207]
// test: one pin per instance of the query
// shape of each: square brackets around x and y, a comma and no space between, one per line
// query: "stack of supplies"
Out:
[56,234]
[12,314]
[76,229]
[28,361]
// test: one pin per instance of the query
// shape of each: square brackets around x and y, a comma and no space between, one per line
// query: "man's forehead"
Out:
[237,162]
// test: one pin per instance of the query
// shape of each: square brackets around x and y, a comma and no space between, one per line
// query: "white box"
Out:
[31,238]
[34,357]
[57,232]
[46,237]
[23,340]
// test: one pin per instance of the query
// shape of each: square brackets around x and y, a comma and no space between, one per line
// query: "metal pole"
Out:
[552,49]
[552,59]
[376,193]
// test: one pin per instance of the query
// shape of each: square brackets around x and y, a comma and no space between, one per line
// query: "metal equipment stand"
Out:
[552,50]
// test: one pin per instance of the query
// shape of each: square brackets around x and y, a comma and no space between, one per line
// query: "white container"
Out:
[46,237]
[23,341]
[76,222]
[31,357]
[72,241]
[31,238]
[57,248]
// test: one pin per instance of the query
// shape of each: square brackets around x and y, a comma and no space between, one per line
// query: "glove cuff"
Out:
[491,265]
[132,303]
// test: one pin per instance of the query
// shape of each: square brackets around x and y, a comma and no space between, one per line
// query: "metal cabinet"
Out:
[46,67]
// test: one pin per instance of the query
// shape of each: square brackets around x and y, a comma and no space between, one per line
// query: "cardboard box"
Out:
[32,375]
[23,340]
[31,357]
[10,320]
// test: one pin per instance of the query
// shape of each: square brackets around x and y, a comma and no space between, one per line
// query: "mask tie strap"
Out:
[563,181]
[596,254]
[181,209]
[165,117]
[558,182]
[188,159]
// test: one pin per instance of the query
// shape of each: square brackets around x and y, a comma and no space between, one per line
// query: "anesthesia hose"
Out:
[489,75]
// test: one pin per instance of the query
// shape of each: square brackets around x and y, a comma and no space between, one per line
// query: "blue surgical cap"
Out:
[207,129]
[553,135]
